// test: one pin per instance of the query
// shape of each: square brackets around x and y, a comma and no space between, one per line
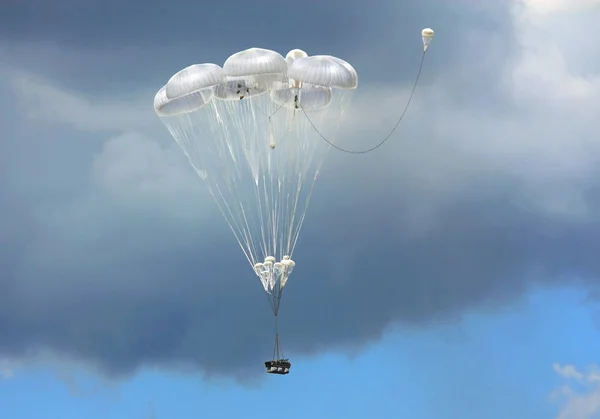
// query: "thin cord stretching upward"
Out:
[382,142]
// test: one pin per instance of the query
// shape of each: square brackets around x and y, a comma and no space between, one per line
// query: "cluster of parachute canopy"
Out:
[229,119]
[253,72]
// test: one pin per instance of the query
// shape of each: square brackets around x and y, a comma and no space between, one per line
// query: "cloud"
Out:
[546,7]
[568,372]
[119,257]
[552,63]
[42,101]
[6,370]
[581,401]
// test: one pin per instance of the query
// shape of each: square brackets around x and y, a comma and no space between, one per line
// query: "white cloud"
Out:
[132,178]
[545,7]
[568,372]
[6,370]
[556,50]
[41,100]
[146,169]
[580,395]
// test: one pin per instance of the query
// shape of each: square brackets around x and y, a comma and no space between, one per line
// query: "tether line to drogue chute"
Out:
[427,35]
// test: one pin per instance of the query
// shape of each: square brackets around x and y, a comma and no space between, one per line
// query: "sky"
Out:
[452,273]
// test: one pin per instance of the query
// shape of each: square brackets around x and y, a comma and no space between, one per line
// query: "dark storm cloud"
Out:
[149,290]
[147,41]
[112,253]
[227,23]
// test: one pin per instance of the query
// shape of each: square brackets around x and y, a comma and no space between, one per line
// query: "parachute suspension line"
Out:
[261,217]
[228,217]
[241,221]
[272,143]
[184,134]
[277,350]
[279,108]
[274,299]
[257,181]
[296,233]
[270,301]
[382,142]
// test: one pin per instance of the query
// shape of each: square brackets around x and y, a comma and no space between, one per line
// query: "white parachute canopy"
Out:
[427,34]
[243,130]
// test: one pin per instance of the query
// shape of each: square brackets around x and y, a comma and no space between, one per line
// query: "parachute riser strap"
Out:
[382,142]
[277,351]
[270,301]
[275,301]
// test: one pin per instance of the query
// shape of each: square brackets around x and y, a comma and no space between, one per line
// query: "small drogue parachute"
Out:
[427,34]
